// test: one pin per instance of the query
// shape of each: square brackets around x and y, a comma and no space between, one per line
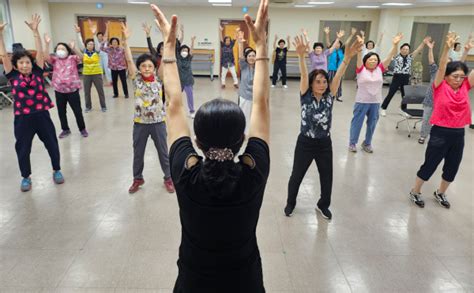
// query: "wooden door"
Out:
[115,29]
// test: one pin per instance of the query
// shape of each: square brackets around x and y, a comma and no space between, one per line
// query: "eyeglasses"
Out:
[458,77]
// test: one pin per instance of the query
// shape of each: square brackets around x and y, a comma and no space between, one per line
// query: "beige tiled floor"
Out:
[90,235]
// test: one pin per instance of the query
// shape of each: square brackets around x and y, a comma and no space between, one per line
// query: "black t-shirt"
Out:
[281,55]
[219,251]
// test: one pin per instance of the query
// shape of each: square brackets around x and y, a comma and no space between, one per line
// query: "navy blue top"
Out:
[316,117]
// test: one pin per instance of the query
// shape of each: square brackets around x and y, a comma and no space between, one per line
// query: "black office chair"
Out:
[414,95]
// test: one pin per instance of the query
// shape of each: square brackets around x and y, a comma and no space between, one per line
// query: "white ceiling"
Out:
[290,3]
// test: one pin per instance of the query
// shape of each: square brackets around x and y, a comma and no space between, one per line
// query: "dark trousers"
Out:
[307,150]
[398,81]
[447,144]
[279,66]
[25,128]
[123,80]
[74,100]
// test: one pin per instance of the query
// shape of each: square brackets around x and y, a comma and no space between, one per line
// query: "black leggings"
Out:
[123,79]
[74,100]
[279,66]
[447,144]
[398,81]
[307,150]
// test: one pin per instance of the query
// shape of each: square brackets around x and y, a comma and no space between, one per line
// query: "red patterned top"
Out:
[29,93]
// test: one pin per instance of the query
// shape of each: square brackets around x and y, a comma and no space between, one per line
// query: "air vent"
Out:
[282,2]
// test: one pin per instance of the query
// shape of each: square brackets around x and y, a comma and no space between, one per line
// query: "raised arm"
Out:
[80,41]
[306,38]
[350,52]
[421,46]
[132,68]
[275,42]
[47,42]
[7,62]
[430,46]
[300,47]
[106,33]
[326,32]
[221,33]
[467,47]
[288,42]
[240,40]
[73,46]
[379,40]
[147,30]
[339,36]
[33,25]
[260,117]
[181,34]
[349,39]
[176,123]
[451,38]
[193,41]
[395,41]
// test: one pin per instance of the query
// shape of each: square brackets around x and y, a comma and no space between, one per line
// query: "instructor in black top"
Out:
[280,60]
[219,199]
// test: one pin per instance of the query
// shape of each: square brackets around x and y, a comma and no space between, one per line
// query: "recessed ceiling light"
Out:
[221,4]
[367,6]
[320,3]
[220,1]
[397,4]
[138,2]
[303,6]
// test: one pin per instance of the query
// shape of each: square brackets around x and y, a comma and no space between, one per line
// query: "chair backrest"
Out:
[414,94]
[3,80]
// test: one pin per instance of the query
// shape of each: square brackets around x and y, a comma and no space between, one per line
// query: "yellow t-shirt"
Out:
[91,64]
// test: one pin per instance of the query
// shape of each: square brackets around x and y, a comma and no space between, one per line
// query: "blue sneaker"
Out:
[25,184]
[58,177]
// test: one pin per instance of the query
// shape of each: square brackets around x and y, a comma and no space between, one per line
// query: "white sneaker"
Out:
[383,113]
[285,86]
[273,85]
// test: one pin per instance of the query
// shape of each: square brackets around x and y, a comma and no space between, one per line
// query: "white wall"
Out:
[203,21]
[21,10]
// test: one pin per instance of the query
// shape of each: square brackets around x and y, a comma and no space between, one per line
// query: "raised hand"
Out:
[168,30]
[276,37]
[221,29]
[326,30]
[77,28]
[147,28]
[72,44]
[430,44]
[34,23]
[258,29]
[362,33]
[427,39]
[397,38]
[2,27]
[355,47]
[304,32]
[240,36]
[469,45]
[47,38]
[125,31]
[193,38]
[353,31]
[300,46]
[451,38]
[340,34]
[92,26]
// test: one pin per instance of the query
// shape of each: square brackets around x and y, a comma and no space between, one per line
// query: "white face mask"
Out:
[184,54]
[61,53]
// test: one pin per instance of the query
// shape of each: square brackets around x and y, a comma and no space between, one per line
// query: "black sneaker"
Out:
[289,210]
[416,198]
[325,213]
[441,199]
[339,99]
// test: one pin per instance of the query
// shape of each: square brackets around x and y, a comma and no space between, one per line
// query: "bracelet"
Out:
[168,60]
[262,59]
